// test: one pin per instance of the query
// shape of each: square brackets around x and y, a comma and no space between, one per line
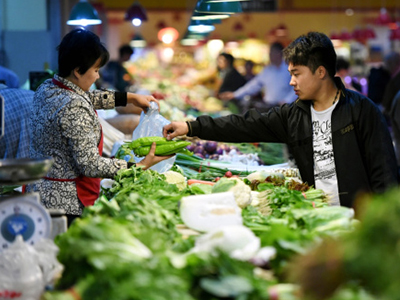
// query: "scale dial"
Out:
[23,215]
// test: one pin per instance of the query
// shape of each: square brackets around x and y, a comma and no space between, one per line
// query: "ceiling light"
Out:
[202,27]
[168,35]
[230,7]
[83,14]
[136,14]
[205,16]
[138,41]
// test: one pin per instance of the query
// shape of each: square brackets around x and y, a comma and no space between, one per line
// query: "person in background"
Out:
[343,71]
[393,86]
[395,125]
[339,138]
[64,125]
[230,77]
[249,70]
[114,75]
[15,142]
[273,80]
[9,78]
[378,78]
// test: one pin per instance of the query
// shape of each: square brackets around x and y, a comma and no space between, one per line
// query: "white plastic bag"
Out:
[151,124]
[26,270]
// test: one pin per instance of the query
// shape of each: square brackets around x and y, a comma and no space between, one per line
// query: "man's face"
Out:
[275,56]
[305,83]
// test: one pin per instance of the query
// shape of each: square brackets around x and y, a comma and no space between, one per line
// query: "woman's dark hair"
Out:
[312,50]
[80,49]
[229,58]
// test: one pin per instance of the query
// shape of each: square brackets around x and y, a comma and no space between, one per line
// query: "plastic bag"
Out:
[26,271]
[151,124]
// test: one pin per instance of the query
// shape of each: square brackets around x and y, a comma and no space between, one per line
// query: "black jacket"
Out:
[232,81]
[362,145]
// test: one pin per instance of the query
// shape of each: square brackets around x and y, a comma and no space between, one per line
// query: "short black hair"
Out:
[229,58]
[313,50]
[80,48]
[125,49]
[276,46]
[342,64]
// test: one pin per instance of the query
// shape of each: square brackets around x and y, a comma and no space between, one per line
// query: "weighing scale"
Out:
[23,214]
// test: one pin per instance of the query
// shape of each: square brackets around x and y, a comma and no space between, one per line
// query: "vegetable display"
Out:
[134,242]
[367,256]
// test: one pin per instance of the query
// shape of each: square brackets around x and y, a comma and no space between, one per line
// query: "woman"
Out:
[64,125]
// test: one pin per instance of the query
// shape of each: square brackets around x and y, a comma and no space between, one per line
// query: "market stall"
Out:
[149,237]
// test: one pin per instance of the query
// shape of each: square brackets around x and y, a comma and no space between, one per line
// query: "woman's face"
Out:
[86,80]
[221,63]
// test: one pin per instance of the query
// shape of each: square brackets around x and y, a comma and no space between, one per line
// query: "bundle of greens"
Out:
[287,220]
[195,167]
[148,184]
[367,256]
[269,153]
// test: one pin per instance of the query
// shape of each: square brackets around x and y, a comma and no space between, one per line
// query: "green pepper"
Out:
[170,147]
[147,141]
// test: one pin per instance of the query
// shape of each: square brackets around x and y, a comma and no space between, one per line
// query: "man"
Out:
[17,102]
[343,71]
[338,138]
[273,80]
[115,74]
[379,77]
[392,86]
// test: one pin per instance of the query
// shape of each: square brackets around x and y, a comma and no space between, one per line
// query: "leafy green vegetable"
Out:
[96,244]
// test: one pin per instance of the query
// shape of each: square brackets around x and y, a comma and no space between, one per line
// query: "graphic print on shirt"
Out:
[323,150]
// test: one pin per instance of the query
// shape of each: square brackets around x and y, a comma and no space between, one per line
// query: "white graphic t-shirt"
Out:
[324,161]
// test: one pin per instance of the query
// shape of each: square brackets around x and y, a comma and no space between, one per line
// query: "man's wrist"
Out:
[189,133]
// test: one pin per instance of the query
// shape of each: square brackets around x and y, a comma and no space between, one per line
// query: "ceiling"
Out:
[149,4]
[282,4]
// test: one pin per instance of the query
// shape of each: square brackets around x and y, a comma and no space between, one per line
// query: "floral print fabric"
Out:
[64,125]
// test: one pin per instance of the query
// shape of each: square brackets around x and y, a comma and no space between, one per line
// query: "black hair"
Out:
[342,64]
[80,48]
[125,49]
[313,50]
[229,58]
[276,46]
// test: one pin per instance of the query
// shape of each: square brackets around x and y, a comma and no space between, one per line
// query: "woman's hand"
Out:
[175,129]
[151,159]
[142,101]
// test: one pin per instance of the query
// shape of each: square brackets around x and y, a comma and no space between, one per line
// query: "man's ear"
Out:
[321,72]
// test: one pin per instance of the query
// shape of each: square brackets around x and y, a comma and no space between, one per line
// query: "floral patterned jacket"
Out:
[64,125]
